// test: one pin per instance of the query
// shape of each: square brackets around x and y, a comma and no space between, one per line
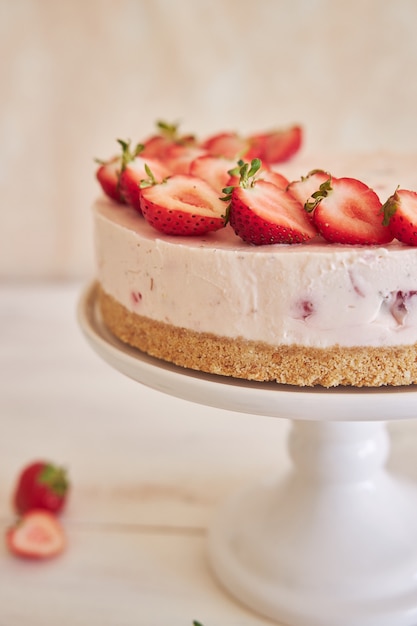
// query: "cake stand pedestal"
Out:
[334,541]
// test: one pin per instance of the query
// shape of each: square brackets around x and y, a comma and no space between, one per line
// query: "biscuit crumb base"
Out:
[253,360]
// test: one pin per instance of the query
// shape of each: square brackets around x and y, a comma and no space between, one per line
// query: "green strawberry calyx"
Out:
[55,478]
[322,192]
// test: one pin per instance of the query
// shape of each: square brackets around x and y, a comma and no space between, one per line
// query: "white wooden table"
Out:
[147,473]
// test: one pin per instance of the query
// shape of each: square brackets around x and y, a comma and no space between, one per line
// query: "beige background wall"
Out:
[77,74]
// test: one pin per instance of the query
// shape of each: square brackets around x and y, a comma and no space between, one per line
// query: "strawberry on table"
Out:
[41,485]
[347,211]
[261,213]
[36,535]
[182,205]
[400,215]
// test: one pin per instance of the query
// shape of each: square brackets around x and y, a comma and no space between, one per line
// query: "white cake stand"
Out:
[333,542]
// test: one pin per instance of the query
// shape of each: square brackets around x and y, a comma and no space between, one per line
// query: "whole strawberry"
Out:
[41,485]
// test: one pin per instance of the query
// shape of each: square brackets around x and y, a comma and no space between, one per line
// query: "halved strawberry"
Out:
[137,171]
[400,215]
[214,170]
[303,188]
[158,146]
[261,213]
[36,535]
[264,173]
[108,176]
[276,146]
[229,145]
[183,205]
[347,211]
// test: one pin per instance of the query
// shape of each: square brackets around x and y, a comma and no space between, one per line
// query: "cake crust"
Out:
[252,360]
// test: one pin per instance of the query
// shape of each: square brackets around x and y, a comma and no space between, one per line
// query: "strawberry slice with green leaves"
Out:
[160,145]
[108,175]
[261,213]
[400,216]
[182,205]
[303,188]
[264,173]
[134,171]
[36,535]
[347,211]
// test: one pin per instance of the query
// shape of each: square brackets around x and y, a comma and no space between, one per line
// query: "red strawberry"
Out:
[228,145]
[41,485]
[264,173]
[276,146]
[108,176]
[178,158]
[214,170]
[158,146]
[261,213]
[303,188]
[183,205]
[347,211]
[400,215]
[36,535]
[137,171]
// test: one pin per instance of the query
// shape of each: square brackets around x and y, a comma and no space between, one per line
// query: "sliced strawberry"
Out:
[303,188]
[214,170]
[36,535]
[159,146]
[276,146]
[264,173]
[183,205]
[108,176]
[261,213]
[178,158]
[347,211]
[228,145]
[400,215]
[136,172]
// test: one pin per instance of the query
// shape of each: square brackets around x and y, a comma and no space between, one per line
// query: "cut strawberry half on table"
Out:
[36,535]
[400,215]
[183,205]
[347,211]
[276,146]
[261,213]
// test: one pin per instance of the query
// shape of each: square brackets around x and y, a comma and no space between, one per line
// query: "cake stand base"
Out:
[333,542]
